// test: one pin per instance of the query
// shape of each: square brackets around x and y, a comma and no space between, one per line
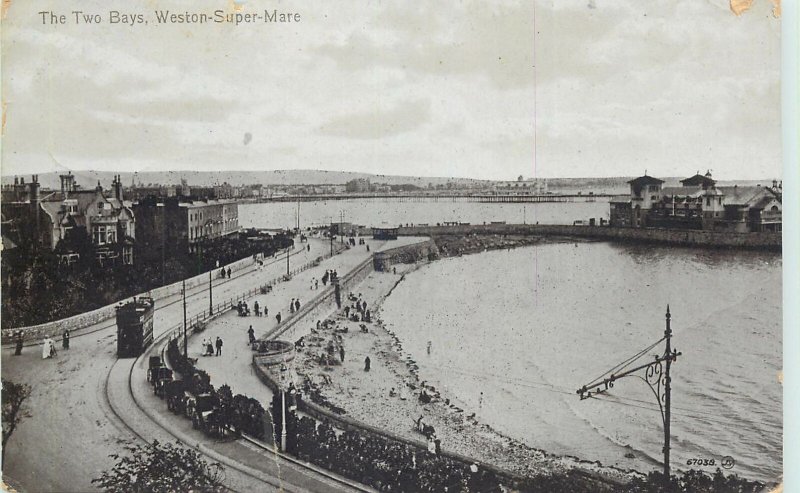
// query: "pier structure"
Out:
[446,197]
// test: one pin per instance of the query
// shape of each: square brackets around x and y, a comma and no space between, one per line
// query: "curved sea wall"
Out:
[404,254]
[692,238]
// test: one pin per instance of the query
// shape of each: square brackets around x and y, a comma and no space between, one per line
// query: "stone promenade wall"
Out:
[691,238]
[404,254]
[108,312]
[347,423]
[321,305]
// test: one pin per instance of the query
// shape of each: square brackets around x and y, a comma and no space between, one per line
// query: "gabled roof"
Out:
[698,180]
[645,180]
[681,191]
[743,195]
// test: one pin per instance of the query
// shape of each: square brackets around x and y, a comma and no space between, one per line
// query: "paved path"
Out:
[72,430]
[234,366]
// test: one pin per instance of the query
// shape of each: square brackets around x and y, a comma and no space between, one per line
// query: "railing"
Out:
[195,321]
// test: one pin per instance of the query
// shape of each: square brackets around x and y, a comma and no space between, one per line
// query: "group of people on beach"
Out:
[357,310]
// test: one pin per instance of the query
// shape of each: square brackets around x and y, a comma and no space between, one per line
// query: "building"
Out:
[699,204]
[177,227]
[521,186]
[61,221]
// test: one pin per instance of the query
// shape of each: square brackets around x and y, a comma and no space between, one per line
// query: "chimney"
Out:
[117,187]
[33,196]
[33,188]
[67,184]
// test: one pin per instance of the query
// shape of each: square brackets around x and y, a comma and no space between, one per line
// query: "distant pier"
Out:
[445,197]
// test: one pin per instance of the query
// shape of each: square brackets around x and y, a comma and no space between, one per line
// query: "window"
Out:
[127,256]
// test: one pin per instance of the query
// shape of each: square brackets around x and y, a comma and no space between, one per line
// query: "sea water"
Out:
[515,333]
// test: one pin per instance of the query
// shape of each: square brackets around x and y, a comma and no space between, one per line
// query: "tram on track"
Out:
[134,326]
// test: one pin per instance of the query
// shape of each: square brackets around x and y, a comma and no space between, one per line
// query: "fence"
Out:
[83,320]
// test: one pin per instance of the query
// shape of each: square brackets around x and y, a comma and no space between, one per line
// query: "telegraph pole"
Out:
[287,260]
[656,376]
[185,350]
[667,397]
[210,296]
[283,407]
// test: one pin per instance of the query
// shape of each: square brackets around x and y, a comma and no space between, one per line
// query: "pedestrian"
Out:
[291,306]
[319,323]
[308,248]
[297,305]
[18,348]
[229,272]
[48,348]
[366,363]
[278,317]
[368,247]
[429,347]
[219,346]
[65,339]
[251,335]
[316,283]
[312,284]
[255,308]
[222,273]
[341,353]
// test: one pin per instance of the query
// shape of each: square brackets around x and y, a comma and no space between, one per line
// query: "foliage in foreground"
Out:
[14,396]
[696,481]
[157,468]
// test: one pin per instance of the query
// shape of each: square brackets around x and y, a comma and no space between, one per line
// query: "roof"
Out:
[742,195]
[681,191]
[645,180]
[698,180]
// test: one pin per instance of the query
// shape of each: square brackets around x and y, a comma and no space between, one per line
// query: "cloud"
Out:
[379,123]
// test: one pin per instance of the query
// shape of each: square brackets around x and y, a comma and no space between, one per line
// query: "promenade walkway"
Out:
[234,366]
[69,409]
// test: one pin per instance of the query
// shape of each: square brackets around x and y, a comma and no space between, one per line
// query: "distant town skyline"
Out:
[482,90]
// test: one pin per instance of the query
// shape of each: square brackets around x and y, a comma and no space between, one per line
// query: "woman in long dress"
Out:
[47,348]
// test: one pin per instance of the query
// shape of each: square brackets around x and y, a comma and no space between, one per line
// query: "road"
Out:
[72,428]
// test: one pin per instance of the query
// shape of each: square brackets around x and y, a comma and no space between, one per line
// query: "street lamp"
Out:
[284,370]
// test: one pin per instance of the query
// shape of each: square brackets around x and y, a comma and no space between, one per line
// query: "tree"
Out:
[14,395]
[160,468]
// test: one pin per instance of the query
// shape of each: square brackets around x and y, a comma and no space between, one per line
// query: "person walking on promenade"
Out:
[366,363]
[251,335]
[229,272]
[65,339]
[308,248]
[278,317]
[316,283]
[297,305]
[341,353]
[219,346]
[291,306]
[255,308]
[18,348]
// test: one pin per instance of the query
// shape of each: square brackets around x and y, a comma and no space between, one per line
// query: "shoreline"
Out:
[390,401]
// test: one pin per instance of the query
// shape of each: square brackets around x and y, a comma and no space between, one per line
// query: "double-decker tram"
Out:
[134,326]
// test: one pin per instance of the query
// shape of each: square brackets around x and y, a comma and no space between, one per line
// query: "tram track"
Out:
[197,291]
[123,369]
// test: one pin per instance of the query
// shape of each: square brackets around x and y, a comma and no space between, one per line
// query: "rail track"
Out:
[118,394]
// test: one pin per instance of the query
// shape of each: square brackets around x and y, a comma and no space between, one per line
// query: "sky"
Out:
[480,89]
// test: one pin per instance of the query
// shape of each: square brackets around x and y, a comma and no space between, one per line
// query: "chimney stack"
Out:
[116,185]
[67,184]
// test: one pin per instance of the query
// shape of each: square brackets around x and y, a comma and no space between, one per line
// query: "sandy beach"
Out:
[388,395]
